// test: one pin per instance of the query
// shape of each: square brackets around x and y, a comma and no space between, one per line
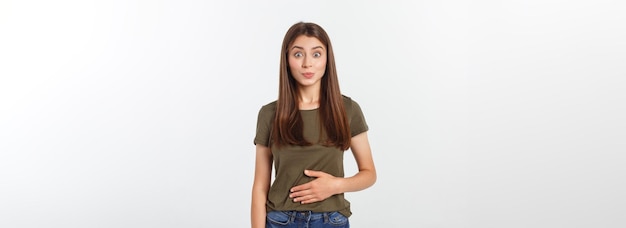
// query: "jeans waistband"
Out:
[307,215]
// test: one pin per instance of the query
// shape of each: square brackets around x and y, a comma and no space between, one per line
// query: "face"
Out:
[307,61]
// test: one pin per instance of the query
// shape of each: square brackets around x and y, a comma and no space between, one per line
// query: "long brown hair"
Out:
[287,129]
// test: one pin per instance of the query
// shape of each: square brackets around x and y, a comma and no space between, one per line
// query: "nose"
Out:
[306,62]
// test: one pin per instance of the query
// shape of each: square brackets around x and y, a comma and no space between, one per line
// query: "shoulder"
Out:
[268,111]
[355,116]
[349,103]
[269,106]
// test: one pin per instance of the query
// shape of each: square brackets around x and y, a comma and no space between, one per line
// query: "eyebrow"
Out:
[298,47]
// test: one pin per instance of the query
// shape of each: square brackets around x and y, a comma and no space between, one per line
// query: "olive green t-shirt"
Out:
[291,161]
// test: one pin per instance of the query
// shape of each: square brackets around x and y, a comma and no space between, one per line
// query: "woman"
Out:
[304,134]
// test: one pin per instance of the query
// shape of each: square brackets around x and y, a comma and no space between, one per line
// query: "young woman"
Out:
[304,134]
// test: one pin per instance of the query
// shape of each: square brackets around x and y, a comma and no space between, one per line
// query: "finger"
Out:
[301,187]
[300,193]
[313,173]
[311,200]
[303,199]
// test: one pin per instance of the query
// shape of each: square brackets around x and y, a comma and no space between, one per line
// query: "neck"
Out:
[309,97]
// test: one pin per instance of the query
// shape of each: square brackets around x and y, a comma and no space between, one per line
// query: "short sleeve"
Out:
[264,125]
[357,119]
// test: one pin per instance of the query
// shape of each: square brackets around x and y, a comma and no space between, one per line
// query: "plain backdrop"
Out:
[131,113]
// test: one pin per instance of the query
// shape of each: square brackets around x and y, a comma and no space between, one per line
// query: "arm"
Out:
[261,185]
[366,176]
[326,185]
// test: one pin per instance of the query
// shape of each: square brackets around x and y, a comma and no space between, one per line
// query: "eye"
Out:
[317,54]
[297,54]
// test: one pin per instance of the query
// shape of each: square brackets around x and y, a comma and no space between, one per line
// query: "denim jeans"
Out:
[305,219]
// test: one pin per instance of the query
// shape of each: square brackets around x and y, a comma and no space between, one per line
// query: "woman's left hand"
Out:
[324,186]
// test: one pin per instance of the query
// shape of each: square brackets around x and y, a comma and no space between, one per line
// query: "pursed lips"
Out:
[308,74]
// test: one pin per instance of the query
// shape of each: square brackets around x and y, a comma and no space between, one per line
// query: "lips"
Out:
[308,75]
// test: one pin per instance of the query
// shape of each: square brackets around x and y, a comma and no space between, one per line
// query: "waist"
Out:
[307,215]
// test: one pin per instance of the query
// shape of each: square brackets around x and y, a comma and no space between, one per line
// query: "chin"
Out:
[309,82]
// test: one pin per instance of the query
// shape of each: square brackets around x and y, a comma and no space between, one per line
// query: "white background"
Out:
[483,114]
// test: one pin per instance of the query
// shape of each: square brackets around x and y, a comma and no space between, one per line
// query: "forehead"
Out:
[307,42]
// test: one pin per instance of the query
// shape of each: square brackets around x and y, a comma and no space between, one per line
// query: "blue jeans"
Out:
[305,219]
